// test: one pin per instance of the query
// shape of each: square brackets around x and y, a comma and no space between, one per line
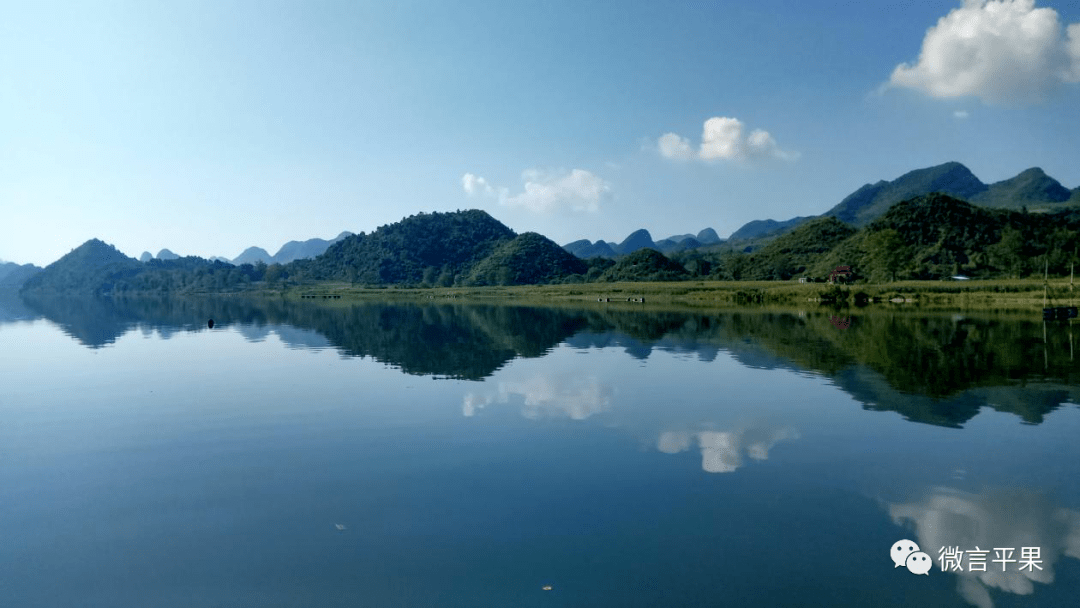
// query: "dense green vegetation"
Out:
[528,259]
[925,238]
[645,265]
[94,267]
[424,249]
[12,276]
[1031,190]
[99,269]
[929,237]
[787,256]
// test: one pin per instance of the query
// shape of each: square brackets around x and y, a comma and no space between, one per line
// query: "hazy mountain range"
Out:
[1032,189]
[641,239]
[13,275]
[990,238]
[293,250]
[927,237]
[432,249]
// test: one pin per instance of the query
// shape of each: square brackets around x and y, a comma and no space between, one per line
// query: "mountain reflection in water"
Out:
[386,454]
[938,369]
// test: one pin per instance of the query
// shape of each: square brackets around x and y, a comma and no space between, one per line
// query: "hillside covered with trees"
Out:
[927,237]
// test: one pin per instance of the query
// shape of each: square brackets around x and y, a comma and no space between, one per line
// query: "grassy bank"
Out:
[1006,293]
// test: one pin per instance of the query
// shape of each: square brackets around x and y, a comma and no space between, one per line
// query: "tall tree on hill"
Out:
[1061,245]
[1007,254]
[887,252]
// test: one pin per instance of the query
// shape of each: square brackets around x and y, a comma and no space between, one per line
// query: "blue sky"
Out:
[209,127]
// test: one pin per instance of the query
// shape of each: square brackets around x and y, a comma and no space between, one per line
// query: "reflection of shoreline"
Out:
[722,451]
[999,518]
[931,368]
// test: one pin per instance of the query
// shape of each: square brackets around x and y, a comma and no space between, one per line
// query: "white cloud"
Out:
[1073,75]
[723,138]
[544,191]
[673,146]
[1002,51]
[474,185]
[960,114]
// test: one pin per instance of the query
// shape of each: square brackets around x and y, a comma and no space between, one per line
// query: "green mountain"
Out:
[872,201]
[97,268]
[791,254]
[935,236]
[253,255]
[528,259]
[426,249]
[678,238]
[645,265]
[585,248]
[641,239]
[441,249]
[759,228]
[12,275]
[7,268]
[638,239]
[296,250]
[1032,188]
[92,268]
[927,237]
[708,236]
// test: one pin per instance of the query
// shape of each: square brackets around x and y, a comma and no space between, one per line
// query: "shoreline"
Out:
[1004,293]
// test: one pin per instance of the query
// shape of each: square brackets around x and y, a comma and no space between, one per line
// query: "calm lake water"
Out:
[470,456]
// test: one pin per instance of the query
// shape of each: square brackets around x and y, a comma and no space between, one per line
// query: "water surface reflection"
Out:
[936,369]
[992,519]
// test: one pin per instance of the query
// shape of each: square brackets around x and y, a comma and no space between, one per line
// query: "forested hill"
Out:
[431,248]
[1031,189]
[927,237]
[93,267]
[428,249]
[12,275]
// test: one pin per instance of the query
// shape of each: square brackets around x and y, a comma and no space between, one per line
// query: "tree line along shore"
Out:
[913,251]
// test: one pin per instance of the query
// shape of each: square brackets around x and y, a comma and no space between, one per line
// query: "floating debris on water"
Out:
[547,587]
[339,526]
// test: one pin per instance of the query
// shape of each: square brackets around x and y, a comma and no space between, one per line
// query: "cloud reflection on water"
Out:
[722,451]
[946,517]
[566,396]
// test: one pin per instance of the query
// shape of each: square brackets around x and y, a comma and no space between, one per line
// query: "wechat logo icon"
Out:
[906,553]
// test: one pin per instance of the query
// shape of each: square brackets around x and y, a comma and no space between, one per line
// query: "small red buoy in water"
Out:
[210,324]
